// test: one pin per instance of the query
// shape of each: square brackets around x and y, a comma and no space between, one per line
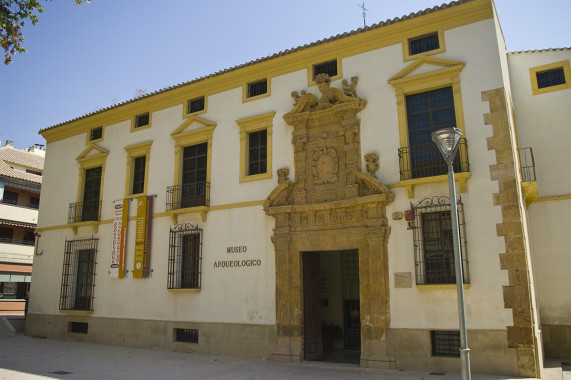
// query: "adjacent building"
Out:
[295,208]
[20,184]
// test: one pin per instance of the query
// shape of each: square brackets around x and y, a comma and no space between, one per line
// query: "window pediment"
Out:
[426,69]
[192,125]
[92,153]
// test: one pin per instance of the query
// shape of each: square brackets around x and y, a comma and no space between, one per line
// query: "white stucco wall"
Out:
[543,123]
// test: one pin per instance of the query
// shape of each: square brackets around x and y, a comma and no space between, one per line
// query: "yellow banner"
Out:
[142,265]
[123,245]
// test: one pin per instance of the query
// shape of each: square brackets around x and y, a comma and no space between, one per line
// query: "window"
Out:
[257,152]
[194,167]
[424,43]
[34,202]
[29,237]
[551,77]
[185,257]
[433,242]
[137,169]
[78,275]
[329,68]
[257,88]
[142,120]
[33,172]
[256,147]
[95,134]
[91,191]
[186,335]
[6,234]
[139,174]
[427,112]
[78,327]
[195,105]
[10,197]
[427,102]
[445,343]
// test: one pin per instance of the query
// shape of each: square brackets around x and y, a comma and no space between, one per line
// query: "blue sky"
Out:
[82,58]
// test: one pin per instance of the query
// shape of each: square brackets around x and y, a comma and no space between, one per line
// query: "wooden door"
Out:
[313,347]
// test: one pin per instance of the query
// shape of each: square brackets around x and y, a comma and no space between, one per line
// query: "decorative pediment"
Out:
[192,124]
[92,152]
[426,68]
[282,195]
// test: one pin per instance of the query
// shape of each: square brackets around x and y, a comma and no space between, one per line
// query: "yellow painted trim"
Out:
[87,161]
[351,45]
[134,122]
[183,138]
[133,152]
[93,224]
[529,190]
[410,184]
[554,198]
[311,80]
[202,210]
[186,114]
[250,125]
[88,135]
[246,98]
[237,205]
[406,50]
[555,65]
[440,287]
[184,290]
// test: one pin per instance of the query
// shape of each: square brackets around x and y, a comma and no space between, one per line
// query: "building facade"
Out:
[20,184]
[295,208]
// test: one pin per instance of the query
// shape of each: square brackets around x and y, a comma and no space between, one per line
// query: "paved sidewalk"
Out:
[23,357]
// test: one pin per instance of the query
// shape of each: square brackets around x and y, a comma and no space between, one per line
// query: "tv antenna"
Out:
[364,14]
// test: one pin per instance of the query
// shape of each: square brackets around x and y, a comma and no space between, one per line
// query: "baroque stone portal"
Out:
[330,205]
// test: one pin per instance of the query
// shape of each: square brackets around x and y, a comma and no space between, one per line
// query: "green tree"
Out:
[13,15]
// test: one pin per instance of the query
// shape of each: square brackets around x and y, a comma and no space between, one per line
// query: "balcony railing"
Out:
[84,211]
[188,195]
[426,161]
[527,164]
[15,241]
[19,204]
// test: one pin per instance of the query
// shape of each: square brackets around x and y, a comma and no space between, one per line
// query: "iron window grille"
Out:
[257,88]
[445,343]
[79,327]
[433,242]
[550,78]
[423,43]
[189,195]
[329,68]
[527,163]
[257,152]
[195,105]
[426,161]
[139,174]
[96,133]
[78,275]
[186,335]
[185,257]
[142,120]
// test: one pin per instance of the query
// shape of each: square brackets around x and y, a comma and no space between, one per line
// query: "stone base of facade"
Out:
[557,341]
[489,352]
[236,340]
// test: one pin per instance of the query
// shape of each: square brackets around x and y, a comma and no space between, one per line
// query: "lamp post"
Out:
[447,141]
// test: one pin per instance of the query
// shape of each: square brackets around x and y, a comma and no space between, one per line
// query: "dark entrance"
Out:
[331,324]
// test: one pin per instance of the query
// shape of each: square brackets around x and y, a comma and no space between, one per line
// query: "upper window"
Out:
[33,172]
[428,112]
[185,257]
[258,152]
[137,169]
[329,68]
[78,276]
[95,134]
[10,197]
[195,105]
[433,242]
[142,121]
[256,147]
[425,44]
[257,88]
[551,77]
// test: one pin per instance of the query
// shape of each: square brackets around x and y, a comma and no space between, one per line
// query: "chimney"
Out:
[9,143]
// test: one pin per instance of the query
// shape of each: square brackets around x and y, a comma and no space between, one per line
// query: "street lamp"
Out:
[447,140]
